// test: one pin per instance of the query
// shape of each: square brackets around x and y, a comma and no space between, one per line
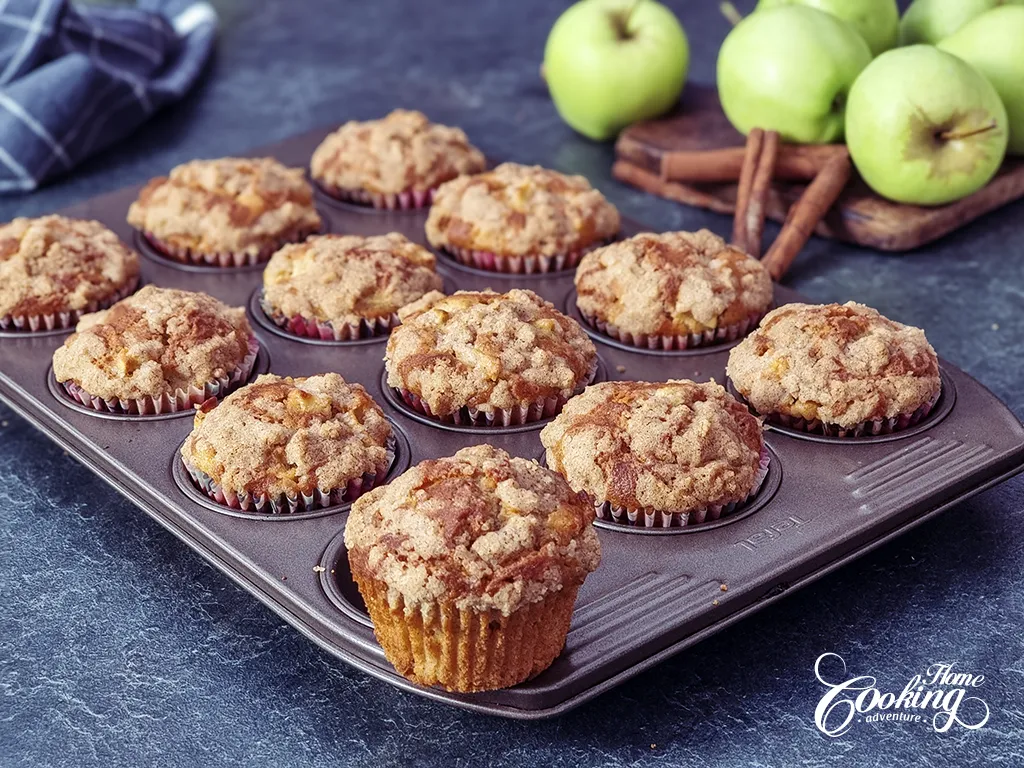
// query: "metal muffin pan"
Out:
[824,502]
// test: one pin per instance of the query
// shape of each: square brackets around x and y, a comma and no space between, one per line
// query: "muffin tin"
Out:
[824,502]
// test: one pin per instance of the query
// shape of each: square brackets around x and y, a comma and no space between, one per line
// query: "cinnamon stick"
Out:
[759,192]
[794,163]
[805,214]
[649,182]
[751,160]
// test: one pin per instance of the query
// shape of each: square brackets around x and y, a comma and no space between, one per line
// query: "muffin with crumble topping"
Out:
[672,291]
[520,218]
[346,287]
[160,350]
[284,445]
[469,567]
[842,370]
[54,269]
[396,162]
[226,212]
[663,454]
[489,359]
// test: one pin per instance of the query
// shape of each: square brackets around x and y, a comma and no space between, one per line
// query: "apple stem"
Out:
[953,135]
[621,20]
[729,11]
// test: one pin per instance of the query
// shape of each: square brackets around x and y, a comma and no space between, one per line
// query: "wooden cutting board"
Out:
[860,216]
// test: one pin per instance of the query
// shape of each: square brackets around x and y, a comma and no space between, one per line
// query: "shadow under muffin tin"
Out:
[824,501]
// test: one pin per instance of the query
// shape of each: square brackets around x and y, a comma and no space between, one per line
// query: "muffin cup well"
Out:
[175,402]
[653,518]
[863,429]
[721,335]
[311,328]
[524,413]
[465,650]
[410,199]
[63,320]
[286,504]
[225,258]
[519,265]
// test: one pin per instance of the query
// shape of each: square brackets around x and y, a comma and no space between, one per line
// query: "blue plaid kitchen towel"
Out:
[75,78]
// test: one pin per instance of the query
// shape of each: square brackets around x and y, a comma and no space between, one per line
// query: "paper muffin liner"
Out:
[524,413]
[721,335]
[527,264]
[284,504]
[863,429]
[179,400]
[466,650]
[311,328]
[652,518]
[64,320]
[408,200]
[225,258]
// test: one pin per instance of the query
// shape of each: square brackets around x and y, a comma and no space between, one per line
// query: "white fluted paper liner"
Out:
[63,320]
[527,264]
[180,400]
[287,504]
[652,518]
[721,335]
[410,199]
[224,258]
[863,429]
[366,328]
[524,413]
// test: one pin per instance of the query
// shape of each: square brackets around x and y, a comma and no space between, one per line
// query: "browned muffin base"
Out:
[464,650]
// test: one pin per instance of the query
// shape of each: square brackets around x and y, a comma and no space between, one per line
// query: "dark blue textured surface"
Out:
[119,646]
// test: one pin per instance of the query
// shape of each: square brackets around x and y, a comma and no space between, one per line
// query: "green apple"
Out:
[925,127]
[789,69]
[929,21]
[878,21]
[609,63]
[993,43]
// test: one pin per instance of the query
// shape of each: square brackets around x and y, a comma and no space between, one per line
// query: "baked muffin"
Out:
[283,445]
[491,359]
[395,162]
[227,212]
[346,287]
[160,350]
[54,269]
[520,218]
[672,291]
[469,567]
[661,454]
[838,369]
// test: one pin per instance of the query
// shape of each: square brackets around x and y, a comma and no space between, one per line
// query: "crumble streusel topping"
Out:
[672,446]
[480,529]
[229,205]
[518,210]
[841,363]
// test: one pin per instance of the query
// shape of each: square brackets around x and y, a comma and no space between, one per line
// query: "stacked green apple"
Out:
[926,123]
